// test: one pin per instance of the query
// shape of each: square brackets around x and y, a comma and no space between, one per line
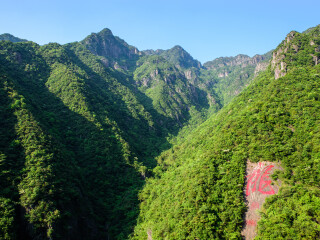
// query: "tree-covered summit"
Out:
[176,56]
[11,38]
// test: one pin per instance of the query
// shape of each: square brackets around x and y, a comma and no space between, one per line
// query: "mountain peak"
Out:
[298,49]
[11,38]
[105,32]
[180,49]
[177,47]
[111,47]
[180,57]
[310,29]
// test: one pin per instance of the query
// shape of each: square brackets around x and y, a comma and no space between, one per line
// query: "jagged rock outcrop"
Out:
[261,66]
[172,90]
[229,75]
[223,74]
[239,60]
[115,52]
[153,52]
[295,50]
[277,63]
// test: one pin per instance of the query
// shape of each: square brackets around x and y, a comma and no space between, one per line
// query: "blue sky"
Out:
[206,29]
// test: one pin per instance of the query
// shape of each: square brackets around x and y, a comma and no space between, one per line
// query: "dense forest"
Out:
[99,140]
[197,188]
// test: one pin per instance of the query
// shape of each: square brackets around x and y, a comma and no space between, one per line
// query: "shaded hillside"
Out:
[73,175]
[197,191]
[79,136]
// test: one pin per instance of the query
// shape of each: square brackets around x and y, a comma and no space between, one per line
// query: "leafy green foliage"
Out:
[179,58]
[78,139]
[114,51]
[7,219]
[172,95]
[82,123]
[70,149]
[293,214]
[197,191]
[11,38]
[228,76]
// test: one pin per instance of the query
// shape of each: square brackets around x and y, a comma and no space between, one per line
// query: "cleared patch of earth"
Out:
[258,187]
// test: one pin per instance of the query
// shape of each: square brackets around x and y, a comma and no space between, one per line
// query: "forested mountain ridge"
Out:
[220,79]
[78,136]
[67,151]
[157,74]
[229,75]
[11,38]
[83,122]
[296,50]
[198,188]
[177,56]
[114,51]
[172,94]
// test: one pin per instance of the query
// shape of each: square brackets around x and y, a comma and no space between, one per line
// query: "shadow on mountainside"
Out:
[95,189]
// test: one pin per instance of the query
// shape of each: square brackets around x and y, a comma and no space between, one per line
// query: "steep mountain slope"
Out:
[142,68]
[203,89]
[79,135]
[172,94]
[114,51]
[81,125]
[73,176]
[93,128]
[218,81]
[198,188]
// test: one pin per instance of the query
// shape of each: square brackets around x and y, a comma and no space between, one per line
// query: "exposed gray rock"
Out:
[261,66]
[239,60]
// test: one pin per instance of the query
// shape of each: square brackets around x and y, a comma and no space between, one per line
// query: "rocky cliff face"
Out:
[278,65]
[116,52]
[229,75]
[239,60]
[172,78]
[261,66]
[153,52]
[172,90]
[297,49]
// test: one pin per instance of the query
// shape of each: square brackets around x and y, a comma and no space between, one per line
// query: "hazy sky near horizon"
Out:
[206,29]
